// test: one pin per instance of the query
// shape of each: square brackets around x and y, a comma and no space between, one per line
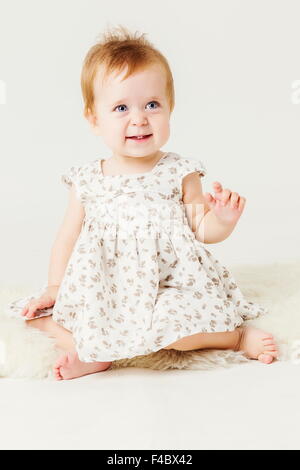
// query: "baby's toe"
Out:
[265,358]
[62,361]
[268,341]
[268,336]
[56,372]
[272,353]
[270,347]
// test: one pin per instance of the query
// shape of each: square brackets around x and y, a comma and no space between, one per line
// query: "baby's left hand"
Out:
[227,206]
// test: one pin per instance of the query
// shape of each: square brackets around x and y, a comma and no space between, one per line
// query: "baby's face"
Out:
[135,106]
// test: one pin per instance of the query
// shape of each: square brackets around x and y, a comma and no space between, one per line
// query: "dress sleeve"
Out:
[77,175]
[70,176]
[190,166]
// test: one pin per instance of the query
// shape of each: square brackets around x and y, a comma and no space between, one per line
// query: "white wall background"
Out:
[234,64]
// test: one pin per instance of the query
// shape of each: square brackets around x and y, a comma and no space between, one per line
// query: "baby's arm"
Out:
[194,203]
[65,239]
[211,222]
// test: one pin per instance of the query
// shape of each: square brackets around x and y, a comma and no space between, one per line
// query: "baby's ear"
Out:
[92,121]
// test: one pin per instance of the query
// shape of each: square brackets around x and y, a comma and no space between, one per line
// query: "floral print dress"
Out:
[137,279]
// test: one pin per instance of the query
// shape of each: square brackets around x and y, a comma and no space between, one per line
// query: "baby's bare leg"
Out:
[224,340]
[256,343]
[64,338]
[68,366]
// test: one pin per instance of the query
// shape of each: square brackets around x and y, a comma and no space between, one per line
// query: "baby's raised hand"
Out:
[226,205]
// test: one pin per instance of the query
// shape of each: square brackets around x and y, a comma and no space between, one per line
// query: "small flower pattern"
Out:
[137,279]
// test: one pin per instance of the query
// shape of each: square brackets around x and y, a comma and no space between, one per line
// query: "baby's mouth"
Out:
[140,137]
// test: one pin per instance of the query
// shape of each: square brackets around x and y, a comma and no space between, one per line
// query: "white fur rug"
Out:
[27,352]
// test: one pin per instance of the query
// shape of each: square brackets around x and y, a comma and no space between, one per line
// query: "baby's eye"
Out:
[119,106]
[122,105]
[153,102]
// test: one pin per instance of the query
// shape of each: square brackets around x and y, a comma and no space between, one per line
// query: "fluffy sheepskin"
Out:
[27,352]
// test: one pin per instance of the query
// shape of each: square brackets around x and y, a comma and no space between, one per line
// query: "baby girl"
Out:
[129,270]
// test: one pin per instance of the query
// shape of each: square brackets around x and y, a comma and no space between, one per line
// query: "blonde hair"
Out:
[116,49]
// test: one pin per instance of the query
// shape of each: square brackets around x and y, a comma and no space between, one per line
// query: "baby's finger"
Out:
[35,304]
[210,199]
[217,186]
[225,196]
[26,308]
[234,200]
[242,203]
[32,313]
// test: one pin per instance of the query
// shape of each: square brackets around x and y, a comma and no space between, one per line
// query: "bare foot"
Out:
[68,366]
[257,344]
